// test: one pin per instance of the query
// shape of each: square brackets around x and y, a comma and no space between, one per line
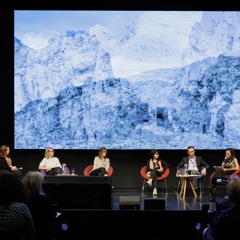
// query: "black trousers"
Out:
[54,171]
[98,172]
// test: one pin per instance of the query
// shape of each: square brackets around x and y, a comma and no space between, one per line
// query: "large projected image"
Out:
[126,79]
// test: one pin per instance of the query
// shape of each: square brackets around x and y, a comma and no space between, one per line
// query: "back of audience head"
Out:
[32,182]
[233,189]
[11,189]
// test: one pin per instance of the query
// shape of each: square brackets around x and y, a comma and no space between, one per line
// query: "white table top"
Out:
[187,175]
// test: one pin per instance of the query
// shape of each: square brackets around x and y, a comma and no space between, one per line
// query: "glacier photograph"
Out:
[126,79]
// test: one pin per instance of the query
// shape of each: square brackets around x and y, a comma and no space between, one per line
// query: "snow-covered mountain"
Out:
[69,59]
[67,95]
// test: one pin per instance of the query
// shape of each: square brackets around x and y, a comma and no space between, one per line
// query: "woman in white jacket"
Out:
[101,163]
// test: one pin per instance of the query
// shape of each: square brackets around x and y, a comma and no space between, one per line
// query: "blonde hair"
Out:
[47,151]
[3,150]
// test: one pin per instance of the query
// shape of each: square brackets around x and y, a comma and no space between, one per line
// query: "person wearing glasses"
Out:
[194,164]
[50,163]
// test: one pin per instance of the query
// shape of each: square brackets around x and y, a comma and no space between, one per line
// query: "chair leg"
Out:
[201,187]
[179,184]
[201,190]
[143,186]
[112,196]
[164,183]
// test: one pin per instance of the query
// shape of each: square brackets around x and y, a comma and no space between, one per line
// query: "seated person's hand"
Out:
[148,174]
[203,172]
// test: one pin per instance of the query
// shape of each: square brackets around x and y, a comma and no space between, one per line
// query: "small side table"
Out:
[184,185]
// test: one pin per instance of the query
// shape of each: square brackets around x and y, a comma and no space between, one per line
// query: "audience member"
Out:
[101,163]
[155,169]
[40,206]
[7,163]
[50,164]
[224,224]
[194,164]
[14,213]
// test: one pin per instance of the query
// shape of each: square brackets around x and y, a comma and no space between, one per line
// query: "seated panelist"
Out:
[101,163]
[50,164]
[193,163]
[7,163]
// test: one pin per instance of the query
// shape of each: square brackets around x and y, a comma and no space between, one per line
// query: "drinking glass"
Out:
[72,171]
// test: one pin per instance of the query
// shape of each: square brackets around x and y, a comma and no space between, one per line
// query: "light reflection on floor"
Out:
[172,199]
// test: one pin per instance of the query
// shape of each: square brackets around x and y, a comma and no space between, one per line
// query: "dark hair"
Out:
[11,189]
[190,147]
[151,154]
[232,151]
[101,150]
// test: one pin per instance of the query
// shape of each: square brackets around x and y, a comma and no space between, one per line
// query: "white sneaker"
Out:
[154,192]
[149,182]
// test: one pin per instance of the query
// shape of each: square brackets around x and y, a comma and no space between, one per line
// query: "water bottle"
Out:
[64,169]
[185,169]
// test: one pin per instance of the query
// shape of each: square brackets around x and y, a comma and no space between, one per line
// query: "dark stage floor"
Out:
[172,199]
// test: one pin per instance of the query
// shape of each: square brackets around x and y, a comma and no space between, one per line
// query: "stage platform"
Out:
[90,207]
[130,219]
